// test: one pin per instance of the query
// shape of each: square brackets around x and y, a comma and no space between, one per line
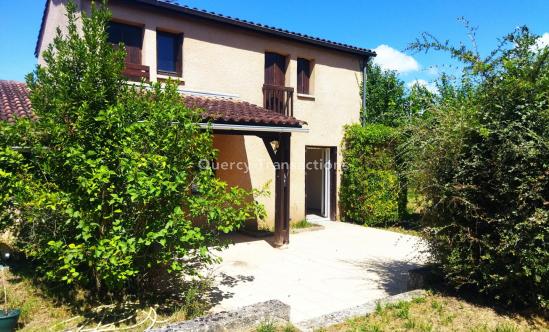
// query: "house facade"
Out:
[310,84]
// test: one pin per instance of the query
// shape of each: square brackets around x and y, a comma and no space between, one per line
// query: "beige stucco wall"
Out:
[55,18]
[223,59]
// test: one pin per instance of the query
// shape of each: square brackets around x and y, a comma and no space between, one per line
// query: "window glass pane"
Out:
[166,50]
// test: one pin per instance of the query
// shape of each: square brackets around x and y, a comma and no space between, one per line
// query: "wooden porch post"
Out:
[282,190]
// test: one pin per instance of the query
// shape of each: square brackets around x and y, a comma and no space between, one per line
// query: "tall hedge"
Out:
[483,166]
[369,192]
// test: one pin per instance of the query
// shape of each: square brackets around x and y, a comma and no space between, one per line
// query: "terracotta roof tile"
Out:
[239,112]
[14,102]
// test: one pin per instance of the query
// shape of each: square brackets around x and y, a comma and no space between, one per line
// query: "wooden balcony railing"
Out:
[136,72]
[279,99]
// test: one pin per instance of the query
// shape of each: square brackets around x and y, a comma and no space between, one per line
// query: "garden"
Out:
[100,196]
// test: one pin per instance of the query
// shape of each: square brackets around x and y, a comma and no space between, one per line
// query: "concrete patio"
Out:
[320,272]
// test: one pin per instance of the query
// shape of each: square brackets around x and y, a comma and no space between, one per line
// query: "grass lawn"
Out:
[40,311]
[438,312]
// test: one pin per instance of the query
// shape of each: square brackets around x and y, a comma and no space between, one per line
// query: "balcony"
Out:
[279,99]
[136,72]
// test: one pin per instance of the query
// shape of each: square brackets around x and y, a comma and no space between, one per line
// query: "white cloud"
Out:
[429,85]
[542,42]
[390,59]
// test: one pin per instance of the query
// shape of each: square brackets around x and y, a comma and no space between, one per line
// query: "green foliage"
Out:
[481,158]
[109,188]
[389,102]
[385,97]
[370,184]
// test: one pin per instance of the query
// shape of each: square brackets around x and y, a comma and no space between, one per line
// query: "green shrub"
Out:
[110,187]
[482,165]
[369,190]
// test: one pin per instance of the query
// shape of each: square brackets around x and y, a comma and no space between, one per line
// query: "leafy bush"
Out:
[482,164]
[110,190]
[369,191]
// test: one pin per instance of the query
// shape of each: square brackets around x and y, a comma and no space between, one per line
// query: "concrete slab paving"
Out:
[319,272]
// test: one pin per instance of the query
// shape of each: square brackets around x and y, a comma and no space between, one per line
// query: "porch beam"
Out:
[269,147]
[282,191]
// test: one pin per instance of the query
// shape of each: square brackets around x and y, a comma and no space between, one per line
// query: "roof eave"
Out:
[253,128]
[258,27]
[42,27]
[234,22]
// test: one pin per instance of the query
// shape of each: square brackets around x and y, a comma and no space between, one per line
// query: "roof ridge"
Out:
[264,28]
[297,34]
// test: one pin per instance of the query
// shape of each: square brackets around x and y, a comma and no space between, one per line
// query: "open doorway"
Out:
[320,181]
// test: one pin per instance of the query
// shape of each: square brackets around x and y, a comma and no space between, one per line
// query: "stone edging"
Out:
[249,317]
[243,319]
[360,310]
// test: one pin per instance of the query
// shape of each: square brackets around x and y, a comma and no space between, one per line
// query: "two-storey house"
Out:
[272,96]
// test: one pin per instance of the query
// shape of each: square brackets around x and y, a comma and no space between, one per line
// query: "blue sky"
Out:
[391,24]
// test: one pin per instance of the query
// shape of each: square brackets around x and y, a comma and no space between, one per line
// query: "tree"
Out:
[111,189]
[385,97]
[418,101]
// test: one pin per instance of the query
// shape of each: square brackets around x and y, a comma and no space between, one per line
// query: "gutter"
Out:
[235,127]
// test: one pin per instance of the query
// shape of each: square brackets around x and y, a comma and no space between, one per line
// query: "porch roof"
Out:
[15,102]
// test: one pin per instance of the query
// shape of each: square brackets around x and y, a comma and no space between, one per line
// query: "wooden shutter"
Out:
[131,36]
[179,55]
[275,69]
[133,55]
[303,75]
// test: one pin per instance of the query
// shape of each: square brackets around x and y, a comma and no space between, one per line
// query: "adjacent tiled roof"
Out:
[14,102]
[213,16]
[220,110]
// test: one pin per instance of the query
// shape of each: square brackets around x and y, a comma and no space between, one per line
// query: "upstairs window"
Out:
[132,38]
[303,76]
[169,53]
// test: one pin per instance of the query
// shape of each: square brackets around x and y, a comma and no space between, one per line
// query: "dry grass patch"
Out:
[269,326]
[42,310]
[442,313]
[402,230]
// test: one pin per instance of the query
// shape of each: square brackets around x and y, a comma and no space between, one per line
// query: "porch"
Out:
[230,117]
[323,271]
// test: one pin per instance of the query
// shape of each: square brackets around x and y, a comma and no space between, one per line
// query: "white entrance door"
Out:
[326,183]
[317,181]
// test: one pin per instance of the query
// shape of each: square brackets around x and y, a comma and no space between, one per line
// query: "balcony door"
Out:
[275,69]
[275,77]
